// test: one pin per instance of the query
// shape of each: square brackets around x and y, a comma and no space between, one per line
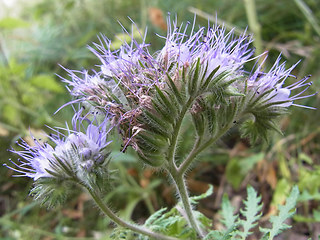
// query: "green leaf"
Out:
[251,213]
[12,23]
[227,213]
[11,114]
[218,235]
[233,173]
[285,212]
[281,191]
[307,196]
[195,199]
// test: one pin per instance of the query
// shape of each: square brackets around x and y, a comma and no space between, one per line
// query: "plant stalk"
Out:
[254,25]
[107,211]
[184,196]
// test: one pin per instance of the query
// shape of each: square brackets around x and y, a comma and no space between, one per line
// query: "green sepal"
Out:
[175,90]
[166,102]
[114,97]
[199,123]
[51,192]
[257,128]
[216,81]
[211,119]
[232,91]
[154,141]
[163,111]
[194,79]
[154,160]
[206,82]
[153,120]
[122,88]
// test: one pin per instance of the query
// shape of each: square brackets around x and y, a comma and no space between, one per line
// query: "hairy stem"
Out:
[184,196]
[107,211]
[173,170]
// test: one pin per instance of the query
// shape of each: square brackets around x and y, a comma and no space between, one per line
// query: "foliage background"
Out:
[36,36]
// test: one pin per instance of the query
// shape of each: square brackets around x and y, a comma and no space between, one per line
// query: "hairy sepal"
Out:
[260,124]
[51,192]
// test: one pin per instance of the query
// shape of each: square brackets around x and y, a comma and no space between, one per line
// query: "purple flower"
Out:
[123,82]
[81,150]
[128,75]
[271,85]
[213,46]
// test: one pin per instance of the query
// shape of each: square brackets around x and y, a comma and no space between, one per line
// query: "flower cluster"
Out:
[68,156]
[271,85]
[212,46]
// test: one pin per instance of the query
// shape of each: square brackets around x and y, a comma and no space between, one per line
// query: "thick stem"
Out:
[107,211]
[179,178]
[184,196]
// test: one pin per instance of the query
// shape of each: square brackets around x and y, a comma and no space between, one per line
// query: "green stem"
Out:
[254,25]
[184,196]
[173,170]
[107,211]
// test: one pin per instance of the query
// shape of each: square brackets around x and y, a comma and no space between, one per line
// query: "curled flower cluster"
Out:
[271,84]
[67,156]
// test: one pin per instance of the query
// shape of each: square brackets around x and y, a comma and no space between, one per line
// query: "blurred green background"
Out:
[36,36]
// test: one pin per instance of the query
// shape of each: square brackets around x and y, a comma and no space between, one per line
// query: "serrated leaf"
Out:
[286,211]
[227,213]
[218,235]
[171,224]
[154,216]
[251,213]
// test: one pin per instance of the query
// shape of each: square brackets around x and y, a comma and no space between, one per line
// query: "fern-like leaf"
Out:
[227,213]
[251,213]
[218,235]
[286,211]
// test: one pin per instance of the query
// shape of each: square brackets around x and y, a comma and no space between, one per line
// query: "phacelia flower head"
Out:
[213,46]
[82,150]
[269,86]
[127,75]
